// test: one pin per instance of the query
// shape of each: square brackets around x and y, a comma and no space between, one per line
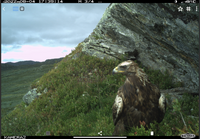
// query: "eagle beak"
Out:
[115,70]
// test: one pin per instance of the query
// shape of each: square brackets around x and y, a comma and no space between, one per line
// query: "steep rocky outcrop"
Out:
[157,35]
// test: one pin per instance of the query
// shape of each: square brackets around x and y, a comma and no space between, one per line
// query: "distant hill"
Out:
[52,61]
[11,65]
[21,63]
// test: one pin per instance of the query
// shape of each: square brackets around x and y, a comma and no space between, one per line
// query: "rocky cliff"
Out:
[157,35]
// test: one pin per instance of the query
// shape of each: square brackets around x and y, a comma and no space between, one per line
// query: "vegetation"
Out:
[16,82]
[80,96]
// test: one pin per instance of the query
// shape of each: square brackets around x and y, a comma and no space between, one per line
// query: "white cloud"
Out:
[47,25]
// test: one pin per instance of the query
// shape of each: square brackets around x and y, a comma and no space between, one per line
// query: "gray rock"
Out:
[45,90]
[157,35]
[31,95]
[76,56]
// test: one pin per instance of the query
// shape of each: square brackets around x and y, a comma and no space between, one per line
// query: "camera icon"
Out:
[21,8]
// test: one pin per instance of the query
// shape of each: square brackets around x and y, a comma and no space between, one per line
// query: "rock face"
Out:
[157,35]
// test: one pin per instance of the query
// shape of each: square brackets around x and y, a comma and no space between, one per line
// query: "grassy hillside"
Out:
[16,81]
[80,96]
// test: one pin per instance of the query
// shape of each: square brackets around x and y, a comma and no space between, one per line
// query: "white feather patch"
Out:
[162,102]
[118,104]
[125,63]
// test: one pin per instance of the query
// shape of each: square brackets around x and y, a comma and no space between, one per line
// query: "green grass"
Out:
[16,81]
[64,111]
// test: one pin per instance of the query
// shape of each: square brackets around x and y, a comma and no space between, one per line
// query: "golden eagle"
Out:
[137,100]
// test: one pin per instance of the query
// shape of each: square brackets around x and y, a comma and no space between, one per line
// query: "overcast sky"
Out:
[45,31]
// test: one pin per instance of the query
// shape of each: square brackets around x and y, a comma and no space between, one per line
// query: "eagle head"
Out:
[125,67]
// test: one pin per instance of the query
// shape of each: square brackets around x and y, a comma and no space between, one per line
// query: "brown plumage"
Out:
[137,100]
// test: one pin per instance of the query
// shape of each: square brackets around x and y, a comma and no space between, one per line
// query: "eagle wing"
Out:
[117,107]
[128,120]
[133,117]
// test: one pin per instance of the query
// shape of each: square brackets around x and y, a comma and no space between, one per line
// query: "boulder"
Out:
[157,35]
[31,95]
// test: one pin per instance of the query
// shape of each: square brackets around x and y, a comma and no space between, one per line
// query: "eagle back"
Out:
[141,96]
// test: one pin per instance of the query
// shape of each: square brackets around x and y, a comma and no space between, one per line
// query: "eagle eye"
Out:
[122,67]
